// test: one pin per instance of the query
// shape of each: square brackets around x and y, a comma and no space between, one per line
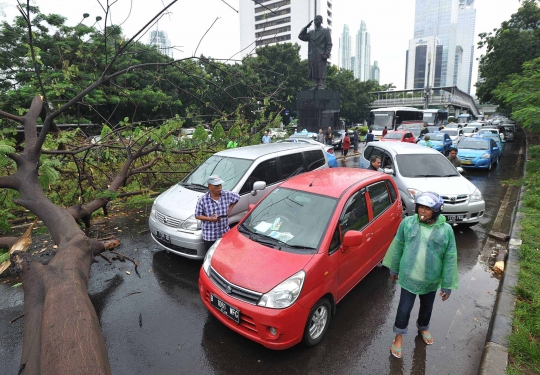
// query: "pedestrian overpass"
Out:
[442,97]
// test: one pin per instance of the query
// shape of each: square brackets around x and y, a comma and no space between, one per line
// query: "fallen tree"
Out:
[61,332]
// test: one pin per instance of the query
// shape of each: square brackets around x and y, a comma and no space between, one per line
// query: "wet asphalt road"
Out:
[179,336]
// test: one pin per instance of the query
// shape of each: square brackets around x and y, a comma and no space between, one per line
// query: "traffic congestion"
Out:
[315,229]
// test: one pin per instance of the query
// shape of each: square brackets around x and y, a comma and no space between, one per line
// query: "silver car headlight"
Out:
[153,212]
[285,294]
[414,193]
[208,256]
[476,196]
[191,223]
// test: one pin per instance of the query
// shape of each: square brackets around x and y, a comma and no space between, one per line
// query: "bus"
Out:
[464,118]
[435,117]
[392,118]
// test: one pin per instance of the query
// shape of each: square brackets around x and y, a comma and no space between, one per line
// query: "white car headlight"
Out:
[285,294]
[476,196]
[486,156]
[191,223]
[208,256]
[414,193]
[153,212]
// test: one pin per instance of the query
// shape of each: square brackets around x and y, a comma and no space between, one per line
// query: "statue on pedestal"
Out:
[319,49]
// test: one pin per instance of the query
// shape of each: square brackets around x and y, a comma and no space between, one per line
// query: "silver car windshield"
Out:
[230,170]
[290,220]
[425,165]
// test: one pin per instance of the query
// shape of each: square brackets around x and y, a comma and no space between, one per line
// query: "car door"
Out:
[385,220]
[354,261]
[266,171]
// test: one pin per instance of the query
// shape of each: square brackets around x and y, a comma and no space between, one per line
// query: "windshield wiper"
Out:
[192,185]
[300,247]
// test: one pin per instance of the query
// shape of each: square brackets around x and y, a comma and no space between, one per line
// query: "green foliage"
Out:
[363,130]
[235,131]
[507,49]
[200,134]
[4,255]
[218,134]
[524,341]
[521,96]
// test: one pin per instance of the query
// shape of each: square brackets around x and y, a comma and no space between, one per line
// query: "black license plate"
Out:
[226,309]
[454,217]
[163,236]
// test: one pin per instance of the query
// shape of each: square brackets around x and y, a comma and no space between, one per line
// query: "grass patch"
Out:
[524,341]
[4,255]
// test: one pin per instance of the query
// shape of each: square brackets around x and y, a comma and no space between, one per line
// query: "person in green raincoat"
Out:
[422,257]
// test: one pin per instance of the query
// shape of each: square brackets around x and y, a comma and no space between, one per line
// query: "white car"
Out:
[492,131]
[276,133]
[456,135]
[469,131]
[417,169]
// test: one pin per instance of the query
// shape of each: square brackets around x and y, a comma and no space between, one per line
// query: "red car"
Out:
[399,136]
[277,276]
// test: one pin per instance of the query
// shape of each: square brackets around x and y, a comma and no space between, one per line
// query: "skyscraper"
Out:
[345,49]
[424,63]
[161,40]
[263,23]
[376,72]
[362,69]
[465,39]
[438,18]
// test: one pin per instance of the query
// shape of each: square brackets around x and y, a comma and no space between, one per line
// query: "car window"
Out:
[355,214]
[380,200]
[367,152]
[387,161]
[392,191]
[336,241]
[266,171]
[314,159]
[291,165]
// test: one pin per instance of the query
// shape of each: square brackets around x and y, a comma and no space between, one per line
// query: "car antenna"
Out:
[311,184]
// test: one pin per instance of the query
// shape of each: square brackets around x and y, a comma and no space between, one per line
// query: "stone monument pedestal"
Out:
[318,109]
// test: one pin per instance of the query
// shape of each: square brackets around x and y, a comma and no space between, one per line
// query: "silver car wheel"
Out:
[318,322]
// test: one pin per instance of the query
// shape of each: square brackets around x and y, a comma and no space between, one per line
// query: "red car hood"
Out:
[254,266]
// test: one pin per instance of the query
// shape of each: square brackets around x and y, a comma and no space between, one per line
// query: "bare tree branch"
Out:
[11,117]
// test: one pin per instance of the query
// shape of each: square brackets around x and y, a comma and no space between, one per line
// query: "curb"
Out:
[495,355]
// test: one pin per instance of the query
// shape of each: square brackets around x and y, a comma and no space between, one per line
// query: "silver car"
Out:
[417,169]
[249,171]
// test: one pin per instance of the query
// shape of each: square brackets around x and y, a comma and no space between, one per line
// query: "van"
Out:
[250,171]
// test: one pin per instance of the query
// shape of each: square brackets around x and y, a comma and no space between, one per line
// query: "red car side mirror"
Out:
[353,238]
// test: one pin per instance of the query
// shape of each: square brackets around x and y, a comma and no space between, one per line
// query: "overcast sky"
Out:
[390,23]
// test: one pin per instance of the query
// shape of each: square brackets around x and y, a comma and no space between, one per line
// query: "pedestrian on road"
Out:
[213,209]
[329,137]
[345,146]
[452,156]
[320,136]
[424,130]
[374,163]
[232,144]
[426,142]
[356,139]
[385,131]
[422,258]
[266,139]
[369,137]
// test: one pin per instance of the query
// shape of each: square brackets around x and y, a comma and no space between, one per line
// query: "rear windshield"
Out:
[393,136]
[425,165]
[436,136]
[468,130]
[473,144]
[451,133]
[230,170]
